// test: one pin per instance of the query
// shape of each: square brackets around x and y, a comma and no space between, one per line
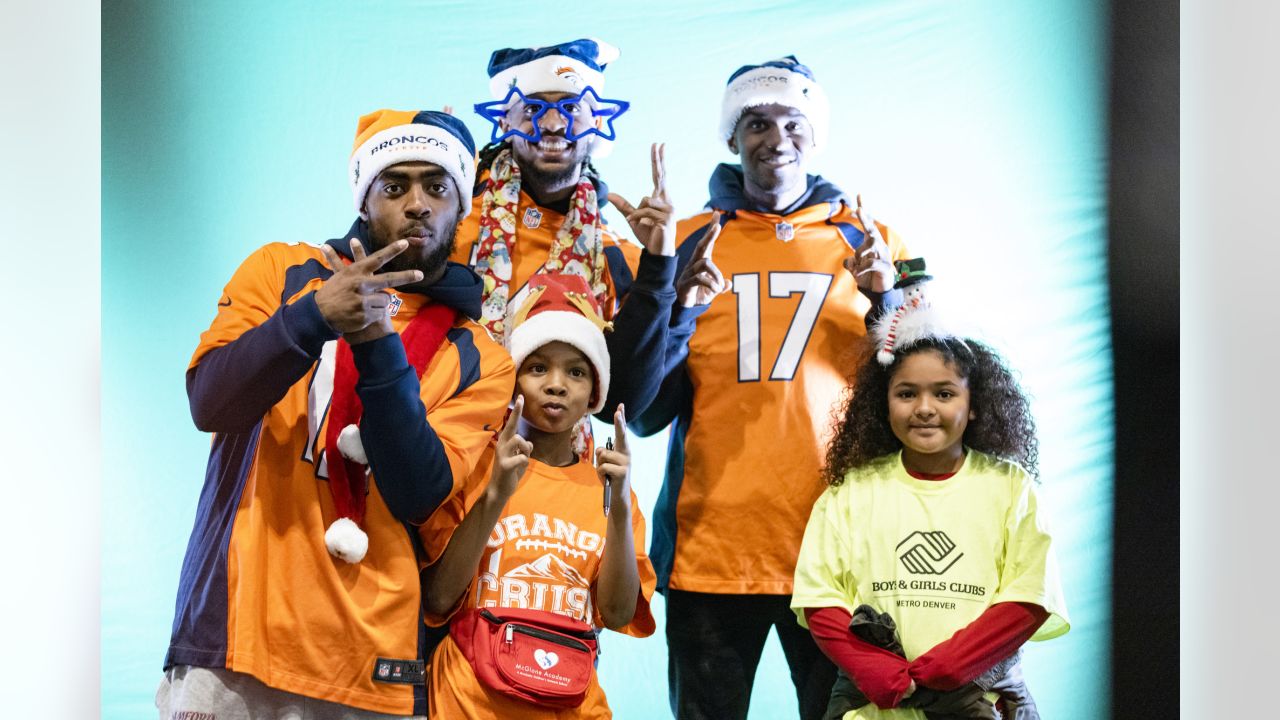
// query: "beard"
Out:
[429,259]
[550,179]
[546,180]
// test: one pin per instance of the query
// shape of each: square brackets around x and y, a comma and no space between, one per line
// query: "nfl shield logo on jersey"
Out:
[384,669]
[532,217]
[784,231]
[393,307]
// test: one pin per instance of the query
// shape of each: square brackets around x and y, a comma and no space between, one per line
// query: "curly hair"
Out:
[1002,425]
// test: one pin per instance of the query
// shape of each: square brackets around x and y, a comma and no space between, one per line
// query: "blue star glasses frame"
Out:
[569,108]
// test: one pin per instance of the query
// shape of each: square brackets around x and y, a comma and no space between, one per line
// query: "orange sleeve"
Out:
[248,300]
[438,529]
[897,246]
[467,422]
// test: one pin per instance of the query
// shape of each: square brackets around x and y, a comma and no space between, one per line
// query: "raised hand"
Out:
[654,222]
[511,458]
[701,281]
[352,299]
[871,265]
[613,466]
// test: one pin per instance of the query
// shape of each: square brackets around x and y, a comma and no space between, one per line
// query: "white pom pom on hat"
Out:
[344,538]
[346,541]
[350,445]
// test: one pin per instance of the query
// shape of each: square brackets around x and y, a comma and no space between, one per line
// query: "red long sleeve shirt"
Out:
[884,677]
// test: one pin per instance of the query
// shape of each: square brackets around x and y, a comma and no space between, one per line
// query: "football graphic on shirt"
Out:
[550,567]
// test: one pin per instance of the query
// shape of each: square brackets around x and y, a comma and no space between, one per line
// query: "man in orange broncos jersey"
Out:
[760,344]
[350,394]
[538,207]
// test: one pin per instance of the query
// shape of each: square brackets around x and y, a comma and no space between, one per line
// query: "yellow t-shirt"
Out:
[933,554]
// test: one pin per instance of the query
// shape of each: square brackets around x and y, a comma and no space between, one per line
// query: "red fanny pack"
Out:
[532,655]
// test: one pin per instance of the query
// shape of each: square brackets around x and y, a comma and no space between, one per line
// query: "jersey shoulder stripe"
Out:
[297,277]
[468,358]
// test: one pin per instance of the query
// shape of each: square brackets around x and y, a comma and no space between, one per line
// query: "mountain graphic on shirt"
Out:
[549,567]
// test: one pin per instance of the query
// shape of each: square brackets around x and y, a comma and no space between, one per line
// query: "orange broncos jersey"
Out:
[544,553]
[535,232]
[259,593]
[753,399]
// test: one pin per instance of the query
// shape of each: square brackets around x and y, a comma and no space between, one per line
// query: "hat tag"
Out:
[784,231]
[601,109]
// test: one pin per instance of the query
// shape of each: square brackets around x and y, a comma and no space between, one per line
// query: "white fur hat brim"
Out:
[409,143]
[915,325]
[554,73]
[567,327]
[769,85]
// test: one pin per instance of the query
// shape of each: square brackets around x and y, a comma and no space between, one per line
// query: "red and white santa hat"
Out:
[562,308]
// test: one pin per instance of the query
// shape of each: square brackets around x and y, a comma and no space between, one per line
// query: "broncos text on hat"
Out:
[783,82]
[388,137]
[567,67]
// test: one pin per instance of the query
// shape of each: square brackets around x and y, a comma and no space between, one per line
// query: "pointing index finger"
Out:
[870,233]
[620,202]
[707,245]
[383,256]
[510,428]
[620,429]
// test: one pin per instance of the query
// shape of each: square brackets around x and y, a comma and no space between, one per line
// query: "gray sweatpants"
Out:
[197,693]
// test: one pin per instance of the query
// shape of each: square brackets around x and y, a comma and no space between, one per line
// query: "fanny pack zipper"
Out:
[546,635]
[555,637]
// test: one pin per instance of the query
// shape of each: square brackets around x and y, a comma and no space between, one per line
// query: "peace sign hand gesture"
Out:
[701,281]
[654,222]
[871,265]
[352,300]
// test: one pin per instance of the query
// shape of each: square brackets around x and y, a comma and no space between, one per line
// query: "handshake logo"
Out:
[928,553]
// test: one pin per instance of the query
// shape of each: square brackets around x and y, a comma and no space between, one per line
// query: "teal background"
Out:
[976,129]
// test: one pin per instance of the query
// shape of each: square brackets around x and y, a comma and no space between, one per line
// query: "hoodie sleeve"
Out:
[639,339]
[259,344]
[421,455]
[675,390]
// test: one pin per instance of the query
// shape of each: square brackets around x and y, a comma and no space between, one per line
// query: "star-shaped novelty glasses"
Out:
[581,118]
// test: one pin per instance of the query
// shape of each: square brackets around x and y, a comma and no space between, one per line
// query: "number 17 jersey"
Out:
[766,367]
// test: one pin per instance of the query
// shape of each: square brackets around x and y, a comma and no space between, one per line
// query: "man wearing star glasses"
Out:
[552,133]
[538,202]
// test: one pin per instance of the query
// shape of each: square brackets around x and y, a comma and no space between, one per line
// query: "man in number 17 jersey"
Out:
[760,345]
